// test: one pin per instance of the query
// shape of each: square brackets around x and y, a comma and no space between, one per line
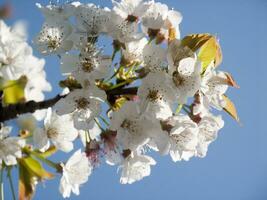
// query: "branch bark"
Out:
[123,91]
[13,111]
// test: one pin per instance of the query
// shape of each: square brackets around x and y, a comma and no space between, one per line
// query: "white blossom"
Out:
[214,86]
[154,57]
[123,31]
[156,96]
[159,21]
[58,129]
[135,167]
[75,173]
[54,37]
[10,147]
[186,79]
[89,65]
[18,62]
[83,104]
[131,10]
[208,129]
[131,128]
[133,52]
[183,137]
[91,20]
[57,12]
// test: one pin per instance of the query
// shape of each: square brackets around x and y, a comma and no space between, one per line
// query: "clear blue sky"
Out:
[236,165]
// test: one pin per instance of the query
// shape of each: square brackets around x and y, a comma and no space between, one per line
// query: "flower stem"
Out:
[11,183]
[104,120]
[179,108]
[120,84]
[2,184]
[99,125]
[117,71]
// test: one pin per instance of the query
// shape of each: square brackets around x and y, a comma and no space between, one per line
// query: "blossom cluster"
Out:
[17,63]
[159,91]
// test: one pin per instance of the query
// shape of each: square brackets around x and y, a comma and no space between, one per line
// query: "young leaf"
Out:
[231,81]
[30,172]
[195,41]
[13,91]
[230,108]
[210,52]
[27,183]
[49,152]
[35,168]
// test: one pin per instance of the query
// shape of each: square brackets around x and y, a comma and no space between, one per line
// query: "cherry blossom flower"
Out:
[135,167]
[75,173]
[154,57]
[155,96]
[84,105]
[183,137]
[213,86]
[208,129]
[10,147]
[131,10]
[91,20]
[58,129]
[131,128]
[53,37]
[90,64]
[159,22]
[133,52]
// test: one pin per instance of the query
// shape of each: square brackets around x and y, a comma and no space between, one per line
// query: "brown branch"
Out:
[13,111]
[122,91]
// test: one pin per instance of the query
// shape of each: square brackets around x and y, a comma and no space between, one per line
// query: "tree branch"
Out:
[13,111]
[123,91]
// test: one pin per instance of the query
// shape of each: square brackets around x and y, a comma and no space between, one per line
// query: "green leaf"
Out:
[13,91]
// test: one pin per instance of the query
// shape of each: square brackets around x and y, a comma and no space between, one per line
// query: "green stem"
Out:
[2,184]
[11,183]
[97,122]
[122,84]
[131,69]
[104,120]
[188,112]
[117,71]
[179,108]
[87,137]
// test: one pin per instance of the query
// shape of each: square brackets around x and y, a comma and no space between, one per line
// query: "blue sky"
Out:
[236,165]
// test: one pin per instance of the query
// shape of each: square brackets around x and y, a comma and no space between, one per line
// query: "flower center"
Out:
[177,79]
[82,103]
[132,18]
[52,133]
[129,125]
[52,43]
[152,33]
[154,95]
[87,65]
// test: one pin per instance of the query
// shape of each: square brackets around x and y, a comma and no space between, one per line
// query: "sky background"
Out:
[236,165]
